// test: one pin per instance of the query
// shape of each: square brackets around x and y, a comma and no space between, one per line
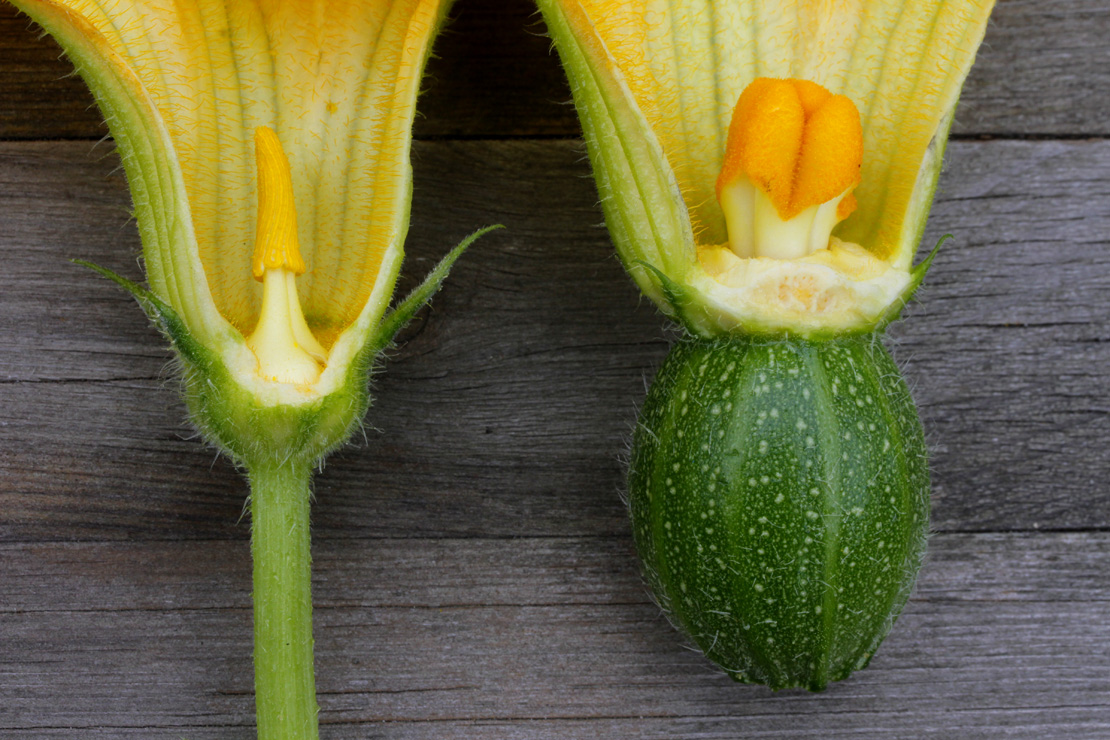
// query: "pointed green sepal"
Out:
[163,316]
[683,303]
[917,276]
[345,408]
[403,313]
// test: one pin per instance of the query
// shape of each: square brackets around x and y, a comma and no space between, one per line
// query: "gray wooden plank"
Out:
[1014,318]
[1005,637]
[1038,725]
[508,409]
[478,572]
[473,573]
[1038,73]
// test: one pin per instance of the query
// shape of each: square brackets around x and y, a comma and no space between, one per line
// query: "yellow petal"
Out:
[643,204]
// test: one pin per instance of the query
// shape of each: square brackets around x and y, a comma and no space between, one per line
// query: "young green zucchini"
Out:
[780,502]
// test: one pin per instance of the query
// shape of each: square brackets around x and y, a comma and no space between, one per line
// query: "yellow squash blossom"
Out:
[266,144]
[656,84]
[766,169]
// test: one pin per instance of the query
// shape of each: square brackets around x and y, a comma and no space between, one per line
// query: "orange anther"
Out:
[811,95]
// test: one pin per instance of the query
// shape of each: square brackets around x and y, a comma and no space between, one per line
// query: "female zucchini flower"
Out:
[266,145]
[656,85]
[766,169]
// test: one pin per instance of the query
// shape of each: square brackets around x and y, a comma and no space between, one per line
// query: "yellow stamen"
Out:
[275,243]
[793,157]
[285,347]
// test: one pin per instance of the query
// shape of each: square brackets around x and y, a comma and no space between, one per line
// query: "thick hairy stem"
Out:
[285,688]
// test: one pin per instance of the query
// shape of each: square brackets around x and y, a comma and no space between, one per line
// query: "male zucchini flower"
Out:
[766,169]
[266,144]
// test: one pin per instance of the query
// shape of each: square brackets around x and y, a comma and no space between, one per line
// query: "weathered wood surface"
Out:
[1040,72]
[538,638]
[474,576]
[514,396]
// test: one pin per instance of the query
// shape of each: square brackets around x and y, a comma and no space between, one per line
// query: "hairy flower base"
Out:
[258,422]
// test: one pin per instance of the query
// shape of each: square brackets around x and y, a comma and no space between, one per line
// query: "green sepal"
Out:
[356,399]
[917,276]
[163,316]
[218,405]
[403,313]
[682,302]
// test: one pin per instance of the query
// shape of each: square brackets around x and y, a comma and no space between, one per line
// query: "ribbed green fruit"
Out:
[780,502]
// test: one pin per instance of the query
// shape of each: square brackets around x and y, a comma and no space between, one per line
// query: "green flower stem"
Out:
[284,683]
